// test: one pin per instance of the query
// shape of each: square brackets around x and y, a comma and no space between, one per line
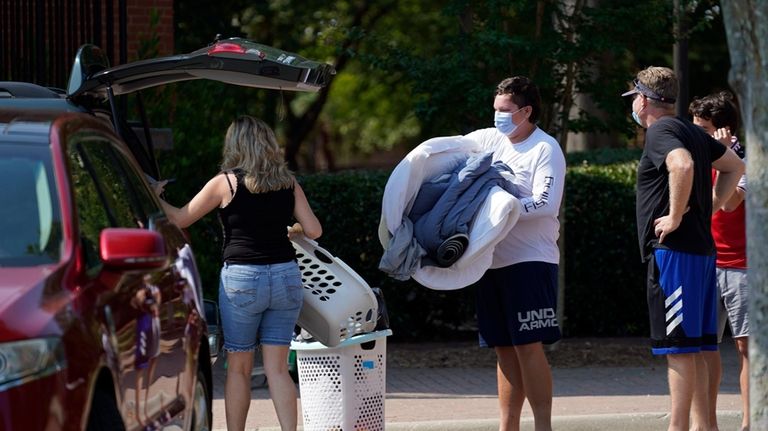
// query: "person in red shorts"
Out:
[717,115]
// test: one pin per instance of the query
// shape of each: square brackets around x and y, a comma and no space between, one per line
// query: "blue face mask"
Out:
[635,115]
[503,122]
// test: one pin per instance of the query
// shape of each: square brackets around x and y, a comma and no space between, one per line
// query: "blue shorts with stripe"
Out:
[682,302]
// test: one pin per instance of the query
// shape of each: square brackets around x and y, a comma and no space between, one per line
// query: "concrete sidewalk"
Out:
[587,398]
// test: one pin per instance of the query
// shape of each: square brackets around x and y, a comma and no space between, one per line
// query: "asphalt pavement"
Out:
[451,399]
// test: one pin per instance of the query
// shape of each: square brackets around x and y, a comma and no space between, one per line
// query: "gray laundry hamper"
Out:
[338,303]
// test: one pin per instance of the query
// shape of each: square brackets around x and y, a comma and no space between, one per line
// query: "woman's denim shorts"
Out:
[259,304]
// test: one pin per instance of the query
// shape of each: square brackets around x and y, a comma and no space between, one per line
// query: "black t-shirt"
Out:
[255,226]
[693,235]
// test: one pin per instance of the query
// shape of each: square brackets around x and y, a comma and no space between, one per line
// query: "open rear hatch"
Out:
[234,61]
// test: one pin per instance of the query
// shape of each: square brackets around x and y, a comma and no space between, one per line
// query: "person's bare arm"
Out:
[680,167]
[208,198]
[302,212]
[736,199]
[730,169]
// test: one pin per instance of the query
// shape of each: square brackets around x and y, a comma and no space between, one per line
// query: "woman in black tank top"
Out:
[260,292]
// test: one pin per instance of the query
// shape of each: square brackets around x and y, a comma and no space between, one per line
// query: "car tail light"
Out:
[234,48]
[226,47]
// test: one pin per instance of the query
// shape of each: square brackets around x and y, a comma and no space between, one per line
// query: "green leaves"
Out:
[603,268]
[602,257]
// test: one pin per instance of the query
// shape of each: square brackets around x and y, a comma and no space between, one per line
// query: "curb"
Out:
[624,421]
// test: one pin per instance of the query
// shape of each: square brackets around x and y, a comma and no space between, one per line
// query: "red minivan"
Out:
[102,323]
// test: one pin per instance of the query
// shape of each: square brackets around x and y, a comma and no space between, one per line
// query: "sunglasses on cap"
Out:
[647,92]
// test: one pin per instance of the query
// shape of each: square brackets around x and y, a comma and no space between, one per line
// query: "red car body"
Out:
[102,325]
[88,324]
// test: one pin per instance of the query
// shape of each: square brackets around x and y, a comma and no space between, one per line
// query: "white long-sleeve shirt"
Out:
[539,167]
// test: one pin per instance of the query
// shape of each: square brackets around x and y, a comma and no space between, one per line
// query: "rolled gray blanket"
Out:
[451,249]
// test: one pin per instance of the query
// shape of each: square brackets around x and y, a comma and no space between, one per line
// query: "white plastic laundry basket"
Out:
[343,388]
[338,303]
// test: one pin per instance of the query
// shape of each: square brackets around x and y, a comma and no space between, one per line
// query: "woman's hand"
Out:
[159,187]
[295,231]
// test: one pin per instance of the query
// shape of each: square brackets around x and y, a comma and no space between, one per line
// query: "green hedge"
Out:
[605,281]
[603,156]
[605,293]
[349,206]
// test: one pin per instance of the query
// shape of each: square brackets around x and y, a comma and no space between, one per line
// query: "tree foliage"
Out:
[566,47]
[327,31]
[409,70]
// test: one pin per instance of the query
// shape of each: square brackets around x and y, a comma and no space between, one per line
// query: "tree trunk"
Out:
[746,27]
[569,27]
[301,126]
[680,54]
[537,33]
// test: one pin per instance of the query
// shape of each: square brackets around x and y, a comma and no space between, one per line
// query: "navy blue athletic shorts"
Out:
[682,302]
[517,305]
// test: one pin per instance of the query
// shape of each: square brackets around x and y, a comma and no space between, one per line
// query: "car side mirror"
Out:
[132,248]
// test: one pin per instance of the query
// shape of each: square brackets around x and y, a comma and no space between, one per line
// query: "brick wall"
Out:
[139,25]
[39,39]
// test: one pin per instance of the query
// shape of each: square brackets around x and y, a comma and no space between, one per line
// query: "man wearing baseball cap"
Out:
[675,202]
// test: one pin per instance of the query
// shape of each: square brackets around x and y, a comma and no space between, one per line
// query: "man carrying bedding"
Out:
[517,297]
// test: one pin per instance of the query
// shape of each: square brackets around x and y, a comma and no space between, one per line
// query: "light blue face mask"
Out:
[635,115]
[503,122]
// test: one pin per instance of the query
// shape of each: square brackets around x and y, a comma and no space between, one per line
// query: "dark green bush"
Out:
[603,156]
[349,206]
[605,293]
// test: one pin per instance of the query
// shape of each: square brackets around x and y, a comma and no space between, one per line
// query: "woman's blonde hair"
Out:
[250,145]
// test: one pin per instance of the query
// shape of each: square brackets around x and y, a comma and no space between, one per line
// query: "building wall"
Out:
[39,39]
[139,25]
